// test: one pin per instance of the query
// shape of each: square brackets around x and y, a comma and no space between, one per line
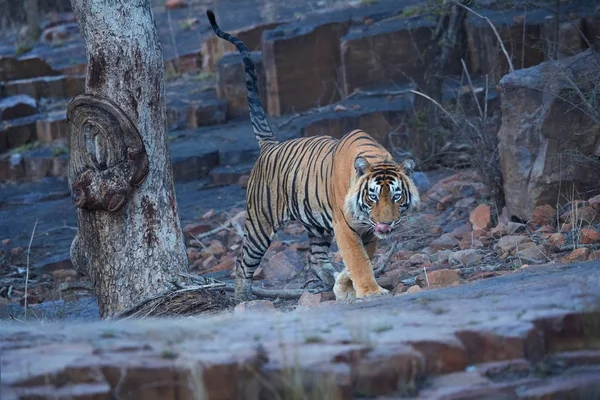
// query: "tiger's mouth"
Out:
[383,230]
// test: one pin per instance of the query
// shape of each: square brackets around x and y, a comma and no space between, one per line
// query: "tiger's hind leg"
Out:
[318,259]
[254,247]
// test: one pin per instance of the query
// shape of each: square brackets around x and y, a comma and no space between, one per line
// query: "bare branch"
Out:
[510,65]
[27,273]
[436,103]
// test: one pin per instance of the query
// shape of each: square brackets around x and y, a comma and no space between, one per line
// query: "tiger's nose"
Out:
[382,227]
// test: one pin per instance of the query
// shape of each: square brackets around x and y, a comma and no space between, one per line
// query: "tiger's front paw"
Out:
[376,291]
[343,288]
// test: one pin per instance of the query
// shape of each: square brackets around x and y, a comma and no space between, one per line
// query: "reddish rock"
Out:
[508,244]
[465,258]
[536,254]
[195,229]
[310,300]
[566,227]
[544,215]
[400,265]
[390,281]
[367,61]
[414,289]
[53,127]
[463,230]
[296,82]
[227,263]
[589,236]
[418,259]
[557,239]
[594,255]
[594,202]
[585,215]
[577,255]
[255,306]
[481,217]
[65,274]
[402,255]
[174,4]
[401,288]
[193,254]
[209,214]
[283,265]
[444,242]
[499,230]
[445,202]
[441,277]
[215,248]
[205,113]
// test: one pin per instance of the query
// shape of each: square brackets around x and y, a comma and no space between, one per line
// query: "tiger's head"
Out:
[381,194]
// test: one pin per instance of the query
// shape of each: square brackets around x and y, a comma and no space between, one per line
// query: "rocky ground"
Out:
[528,335]
[486,305]
[455,238]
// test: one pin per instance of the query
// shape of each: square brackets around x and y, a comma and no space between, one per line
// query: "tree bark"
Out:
[129,239]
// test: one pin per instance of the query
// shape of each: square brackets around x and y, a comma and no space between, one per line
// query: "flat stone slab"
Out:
[493,334]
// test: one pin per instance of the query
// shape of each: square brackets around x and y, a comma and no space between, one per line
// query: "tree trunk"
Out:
[32,10]
[129,239]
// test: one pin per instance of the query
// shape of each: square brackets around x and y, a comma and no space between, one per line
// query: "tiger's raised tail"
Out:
[262,129]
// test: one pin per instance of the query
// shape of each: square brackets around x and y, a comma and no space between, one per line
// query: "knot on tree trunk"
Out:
[107,156]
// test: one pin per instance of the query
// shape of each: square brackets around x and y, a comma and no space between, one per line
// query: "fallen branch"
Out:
[272,293]
[213,231]
[191,300]
[385,259]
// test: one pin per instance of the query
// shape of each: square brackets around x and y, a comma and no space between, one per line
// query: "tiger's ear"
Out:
[408,165]
[361,165]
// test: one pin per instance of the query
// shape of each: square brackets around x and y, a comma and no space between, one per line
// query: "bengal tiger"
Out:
[350,188]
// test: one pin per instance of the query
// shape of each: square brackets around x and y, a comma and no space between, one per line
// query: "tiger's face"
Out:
[381,196]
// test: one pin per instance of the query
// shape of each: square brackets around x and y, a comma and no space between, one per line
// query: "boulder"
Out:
[17,106]
[206,112]
[368,61]
[375,115]
[24,68]
[485,54]
[17,132]
[185,63]
[54,126]
[43,86]
[296,81]
[214,47]
[564,40]
[302,59]
[549,136]
[231,83]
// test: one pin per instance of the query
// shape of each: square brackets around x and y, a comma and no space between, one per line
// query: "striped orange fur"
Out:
[349,188]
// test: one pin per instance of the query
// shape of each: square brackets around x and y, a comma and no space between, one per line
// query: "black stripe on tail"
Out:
[260,124]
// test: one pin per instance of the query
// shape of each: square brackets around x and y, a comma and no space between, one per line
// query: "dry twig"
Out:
[510,65]
[27,273]
[385,259]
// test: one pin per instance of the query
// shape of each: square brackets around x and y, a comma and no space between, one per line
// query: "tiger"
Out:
[349,188]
